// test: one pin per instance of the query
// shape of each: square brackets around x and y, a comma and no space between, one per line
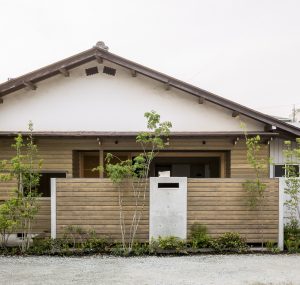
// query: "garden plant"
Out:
[19,211]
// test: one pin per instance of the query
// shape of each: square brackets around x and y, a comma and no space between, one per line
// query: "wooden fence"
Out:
[220,204]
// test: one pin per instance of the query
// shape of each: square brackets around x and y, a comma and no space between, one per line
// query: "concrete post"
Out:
[281,213]
[168,207]
[53,208]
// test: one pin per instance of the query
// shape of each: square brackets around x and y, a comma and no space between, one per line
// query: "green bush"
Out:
[199,236]
[140,249]
[167,243]
[292,236]
[94,243]
[292,245]
[272,247]
[117,249]
[74,240]
[74,236]
[48,246]
[229,241]
[292,230]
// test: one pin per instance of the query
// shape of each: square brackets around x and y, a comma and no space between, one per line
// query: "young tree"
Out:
[292,180]
[8,220]
[255,187]
[136,173]
[24,169]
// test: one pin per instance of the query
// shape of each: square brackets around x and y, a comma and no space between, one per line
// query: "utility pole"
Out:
[294,114]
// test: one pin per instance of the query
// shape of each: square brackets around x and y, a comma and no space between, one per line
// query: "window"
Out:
[192,167]
[84,162]
[44,187]
[280,170]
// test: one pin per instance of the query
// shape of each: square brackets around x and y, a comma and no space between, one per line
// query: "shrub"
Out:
[73,235]
[292,245]
[272,247]
[292,236]
[75,239]
[48,246]
[167,243]
[95,244]
[140,249]
[292,230]
[118,250]
[230,241]
[199,236]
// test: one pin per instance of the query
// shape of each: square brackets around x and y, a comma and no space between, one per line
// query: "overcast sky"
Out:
[245,50]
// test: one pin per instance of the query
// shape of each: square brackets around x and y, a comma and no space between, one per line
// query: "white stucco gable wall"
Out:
[111,103]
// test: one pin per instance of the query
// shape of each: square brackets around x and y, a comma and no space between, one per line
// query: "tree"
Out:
[8,220]
[292,181]
[136,173]
[255,187]
[24,169]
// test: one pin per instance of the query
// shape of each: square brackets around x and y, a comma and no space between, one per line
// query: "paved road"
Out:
[230,269]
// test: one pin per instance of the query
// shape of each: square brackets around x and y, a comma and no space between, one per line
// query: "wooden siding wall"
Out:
[57,153]
[42,222]
[93,204]
[220,204]
[239,165]
[6,190]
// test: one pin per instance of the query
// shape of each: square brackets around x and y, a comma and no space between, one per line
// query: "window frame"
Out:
[284,165]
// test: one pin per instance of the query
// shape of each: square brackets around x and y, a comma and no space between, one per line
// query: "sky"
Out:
[247,51]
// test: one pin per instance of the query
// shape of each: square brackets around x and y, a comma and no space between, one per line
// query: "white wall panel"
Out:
[110,103]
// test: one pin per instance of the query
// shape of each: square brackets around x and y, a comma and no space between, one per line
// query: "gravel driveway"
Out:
[230,269]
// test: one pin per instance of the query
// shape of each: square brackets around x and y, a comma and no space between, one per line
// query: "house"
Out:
[92,103]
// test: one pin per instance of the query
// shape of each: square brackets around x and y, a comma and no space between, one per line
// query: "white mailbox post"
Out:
[168,207]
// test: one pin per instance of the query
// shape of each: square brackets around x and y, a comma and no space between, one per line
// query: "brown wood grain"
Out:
[220,204]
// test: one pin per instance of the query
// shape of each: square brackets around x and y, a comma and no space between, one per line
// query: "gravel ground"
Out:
[209,269]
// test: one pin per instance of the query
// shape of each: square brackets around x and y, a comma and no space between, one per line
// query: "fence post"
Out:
[281,213]
[53,208]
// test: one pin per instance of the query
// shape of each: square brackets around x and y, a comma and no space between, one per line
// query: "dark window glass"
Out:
[280,170]
[45,182]
[292,170]
[162,168]
[191,167]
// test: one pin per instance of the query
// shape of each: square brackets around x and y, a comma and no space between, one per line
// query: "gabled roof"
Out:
[100,53]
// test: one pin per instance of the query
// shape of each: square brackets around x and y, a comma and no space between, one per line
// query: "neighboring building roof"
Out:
[289,121]
[100,53]
[283,119]
[297,124]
